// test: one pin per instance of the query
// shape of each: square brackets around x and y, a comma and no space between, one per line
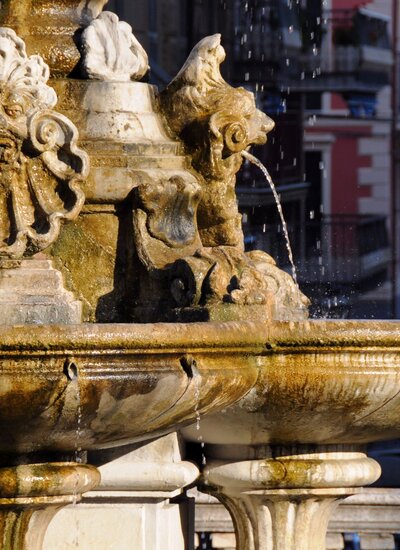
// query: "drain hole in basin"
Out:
[188,363]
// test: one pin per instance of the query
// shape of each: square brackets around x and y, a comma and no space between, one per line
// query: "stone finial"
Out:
[111,52]
[40,162]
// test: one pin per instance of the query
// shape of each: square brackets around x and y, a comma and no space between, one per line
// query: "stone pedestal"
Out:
[283,498]
[30,496]
[32,292]
[139,503]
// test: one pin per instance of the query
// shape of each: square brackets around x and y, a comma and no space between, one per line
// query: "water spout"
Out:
[254,160]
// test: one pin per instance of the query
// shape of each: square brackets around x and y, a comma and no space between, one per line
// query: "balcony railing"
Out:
[342,250]
[342,50]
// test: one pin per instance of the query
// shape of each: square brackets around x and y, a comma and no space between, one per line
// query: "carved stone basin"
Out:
[65,388]
[283,457]
[320,382]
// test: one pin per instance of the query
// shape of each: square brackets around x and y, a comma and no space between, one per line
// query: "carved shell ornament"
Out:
[111,52]
[40,163]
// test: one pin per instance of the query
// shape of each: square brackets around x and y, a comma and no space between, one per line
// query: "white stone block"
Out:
[372,146]
[224,540]
[377,542]
[370,205]
[122,526]
[32,291]
[373,176]
[334,541]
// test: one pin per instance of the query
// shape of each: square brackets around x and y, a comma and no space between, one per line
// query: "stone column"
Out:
[30,496]
[283,498]
[139,503]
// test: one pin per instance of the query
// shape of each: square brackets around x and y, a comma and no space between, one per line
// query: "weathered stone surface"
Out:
[286,501]
[30,496]
[315,386]
[32,292]
[50,30]
[41,165]
[92,386]
[374,513]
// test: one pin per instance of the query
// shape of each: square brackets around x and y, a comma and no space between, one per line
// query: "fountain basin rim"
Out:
[333,333]
[124,338]
[257,336]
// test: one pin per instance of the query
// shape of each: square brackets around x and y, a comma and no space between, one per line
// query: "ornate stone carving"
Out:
[40,163]
[216,122]
[111,52]
[226,275]
[51,29]
[171,207]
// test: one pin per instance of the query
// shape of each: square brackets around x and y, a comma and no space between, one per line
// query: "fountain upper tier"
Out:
[124,383]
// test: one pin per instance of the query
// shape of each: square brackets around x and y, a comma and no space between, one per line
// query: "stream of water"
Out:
[254,160]
[197,389]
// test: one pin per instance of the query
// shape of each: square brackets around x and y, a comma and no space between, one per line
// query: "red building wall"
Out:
[346,161]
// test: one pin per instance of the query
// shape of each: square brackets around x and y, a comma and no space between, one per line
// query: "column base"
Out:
[285,500]
[30,495]
[140,502]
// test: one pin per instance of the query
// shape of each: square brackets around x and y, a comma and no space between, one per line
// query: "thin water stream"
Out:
[197,390]
[254,160]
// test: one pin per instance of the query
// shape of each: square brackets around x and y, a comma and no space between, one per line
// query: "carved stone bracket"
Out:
[286,501]
[41,165]
[217,123]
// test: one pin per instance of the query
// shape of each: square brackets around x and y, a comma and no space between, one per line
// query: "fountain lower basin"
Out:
[66,388]
[320,382]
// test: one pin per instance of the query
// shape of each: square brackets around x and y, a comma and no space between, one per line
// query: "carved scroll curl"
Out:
[41,165]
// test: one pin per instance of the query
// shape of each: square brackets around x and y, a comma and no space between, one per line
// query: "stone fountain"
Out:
[130,310]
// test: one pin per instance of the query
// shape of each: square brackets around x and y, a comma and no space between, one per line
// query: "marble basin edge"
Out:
[67,388]
[321,382]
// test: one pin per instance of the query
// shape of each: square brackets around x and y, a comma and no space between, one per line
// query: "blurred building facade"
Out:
[324,71]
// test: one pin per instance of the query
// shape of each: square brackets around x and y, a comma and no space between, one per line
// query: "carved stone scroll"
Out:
[40,163]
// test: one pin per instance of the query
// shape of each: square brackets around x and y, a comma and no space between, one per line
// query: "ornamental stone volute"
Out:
[40,163]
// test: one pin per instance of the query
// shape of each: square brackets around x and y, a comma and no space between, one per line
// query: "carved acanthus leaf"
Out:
[111,52]
[40,163]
